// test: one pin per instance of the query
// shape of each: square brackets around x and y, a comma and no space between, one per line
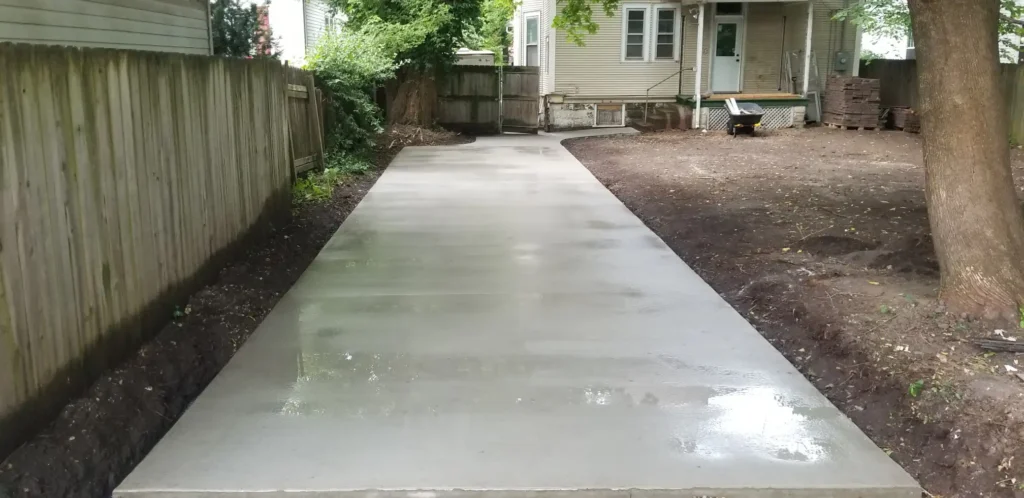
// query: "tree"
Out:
[973,210]
[241,31]
[439,28]
[491,32]
[891,18]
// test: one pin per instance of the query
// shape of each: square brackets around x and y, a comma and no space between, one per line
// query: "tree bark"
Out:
[413,99]
[973,209]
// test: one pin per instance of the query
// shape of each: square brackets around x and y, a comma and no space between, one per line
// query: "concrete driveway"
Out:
[491,319]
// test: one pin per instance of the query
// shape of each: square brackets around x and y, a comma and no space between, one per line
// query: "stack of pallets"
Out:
[851,102]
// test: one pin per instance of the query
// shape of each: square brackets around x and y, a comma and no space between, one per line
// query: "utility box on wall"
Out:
[842,62]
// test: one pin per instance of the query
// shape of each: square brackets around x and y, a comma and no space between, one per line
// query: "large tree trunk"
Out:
[973,209]
[412,99]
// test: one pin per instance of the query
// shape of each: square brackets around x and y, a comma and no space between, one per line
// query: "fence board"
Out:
[899,85]
[124,178]
[467,99]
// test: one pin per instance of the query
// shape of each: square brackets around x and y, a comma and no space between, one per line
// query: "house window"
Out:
[636,32]
[665,41]
[650,32]
[532,40]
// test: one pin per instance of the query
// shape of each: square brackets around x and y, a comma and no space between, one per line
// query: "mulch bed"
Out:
[99,438]
[820,238]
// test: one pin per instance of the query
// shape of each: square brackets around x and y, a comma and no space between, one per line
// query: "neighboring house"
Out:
[297,26]
[656,54]
[158,25]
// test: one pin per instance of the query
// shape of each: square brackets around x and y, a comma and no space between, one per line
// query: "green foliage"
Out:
[318,186]
[867,56]
[915,388]
[237,30]
[892,18]
[422,33]
[491,33]
[351,64]
[576,17]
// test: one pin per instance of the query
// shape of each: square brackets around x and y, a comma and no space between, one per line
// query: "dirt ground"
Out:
[99,438]
[820,238]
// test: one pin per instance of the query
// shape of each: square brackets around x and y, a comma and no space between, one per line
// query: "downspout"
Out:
[700,64]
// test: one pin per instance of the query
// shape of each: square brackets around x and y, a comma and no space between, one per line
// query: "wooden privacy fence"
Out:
[305,119]
[124,178]
[899,88]
[489,99]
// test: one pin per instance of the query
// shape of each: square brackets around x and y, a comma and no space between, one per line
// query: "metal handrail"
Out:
[647,97]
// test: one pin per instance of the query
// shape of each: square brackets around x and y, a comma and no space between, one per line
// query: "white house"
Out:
[156,25]
[652,55]
[297,26]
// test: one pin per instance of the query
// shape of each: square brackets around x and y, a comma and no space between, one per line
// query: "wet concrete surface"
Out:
[490,319]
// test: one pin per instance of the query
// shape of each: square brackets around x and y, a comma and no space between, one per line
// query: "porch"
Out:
[759,51]
[782,109]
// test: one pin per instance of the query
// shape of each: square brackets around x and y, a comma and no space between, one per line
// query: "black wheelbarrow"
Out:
[744,117]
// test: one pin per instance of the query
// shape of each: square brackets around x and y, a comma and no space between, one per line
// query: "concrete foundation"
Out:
[490,320]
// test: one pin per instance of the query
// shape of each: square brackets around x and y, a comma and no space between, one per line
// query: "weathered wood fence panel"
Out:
[304,120]
[488,99]
[899,85]
[467,99]
[520,99]
[124,178]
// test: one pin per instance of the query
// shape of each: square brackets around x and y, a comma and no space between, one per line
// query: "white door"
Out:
[725,68]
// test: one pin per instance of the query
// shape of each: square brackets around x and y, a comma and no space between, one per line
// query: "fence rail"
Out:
[124,178]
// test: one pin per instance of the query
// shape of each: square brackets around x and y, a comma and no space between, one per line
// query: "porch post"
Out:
[700,64]
[807,47]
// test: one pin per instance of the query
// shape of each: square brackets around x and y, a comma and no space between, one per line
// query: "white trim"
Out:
[856,52]
[650,40]
[534,14]
[677,35]
[553,33]
[622,115]
[645,44]
[740,19]
[700,65]
[807,48]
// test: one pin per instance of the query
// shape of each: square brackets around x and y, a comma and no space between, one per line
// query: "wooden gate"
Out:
[305,122]
[520,99]
[487,99]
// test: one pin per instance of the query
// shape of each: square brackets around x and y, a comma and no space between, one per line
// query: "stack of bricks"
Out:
[904,118]
[852,102]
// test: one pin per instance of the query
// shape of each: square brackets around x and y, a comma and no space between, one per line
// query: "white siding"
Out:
[158,25]
[596,70]
[316,20]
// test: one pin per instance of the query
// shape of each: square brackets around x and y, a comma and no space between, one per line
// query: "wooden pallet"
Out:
[844,127]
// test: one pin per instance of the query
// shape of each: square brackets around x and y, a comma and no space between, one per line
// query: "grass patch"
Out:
[317,186]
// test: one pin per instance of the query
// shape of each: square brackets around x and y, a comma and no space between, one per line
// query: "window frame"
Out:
[526,38]
[645,42]
[676,34]
[650,33]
